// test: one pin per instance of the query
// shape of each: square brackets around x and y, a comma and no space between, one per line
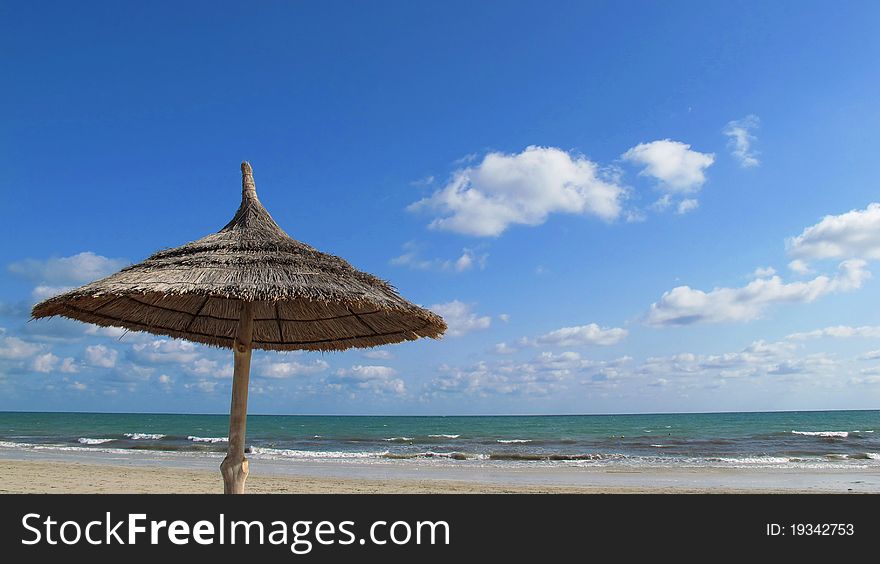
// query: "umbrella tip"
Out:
[248,187]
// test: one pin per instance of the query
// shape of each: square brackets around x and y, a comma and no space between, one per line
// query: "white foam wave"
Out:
[208,439]
[88,441]
[511,441]
[837,434]
[11,444]
[444,436]
[32,446]
[774,460]
[145,436]
[398,439]
[291,453]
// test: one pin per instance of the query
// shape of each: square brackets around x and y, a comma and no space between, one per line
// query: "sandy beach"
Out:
[53,472]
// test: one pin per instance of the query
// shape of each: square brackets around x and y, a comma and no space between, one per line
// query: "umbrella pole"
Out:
[235,466]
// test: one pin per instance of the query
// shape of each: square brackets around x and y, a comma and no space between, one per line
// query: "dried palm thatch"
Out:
[301,298]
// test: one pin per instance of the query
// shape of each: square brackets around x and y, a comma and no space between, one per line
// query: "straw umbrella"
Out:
[249,286]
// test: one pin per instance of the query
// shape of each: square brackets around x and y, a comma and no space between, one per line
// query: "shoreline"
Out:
[151,472]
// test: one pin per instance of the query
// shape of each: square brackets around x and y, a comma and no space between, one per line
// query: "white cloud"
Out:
[687,205]
[799,267]
[505,317]
[838,332]
[870,355]
[663,203]
[679,169]
[376,379]
[521,189]
[78,386]
[764,272]
[208,367]
[468,259]
[206,386]
[48,362]
[869,380]
[292,368]
[13,348]
[758,359]
[546,373]
[590,334]
[45,363]
[559,372]
[166,350]
[741,138]
[685,305]
[460,318]
[101,356]
[504,348]
[484,379]
[67,271]
[854,234]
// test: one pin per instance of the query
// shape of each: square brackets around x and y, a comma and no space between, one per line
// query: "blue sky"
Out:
[618,207]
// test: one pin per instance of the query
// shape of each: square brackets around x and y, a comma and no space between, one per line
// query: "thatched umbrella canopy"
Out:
[249,286]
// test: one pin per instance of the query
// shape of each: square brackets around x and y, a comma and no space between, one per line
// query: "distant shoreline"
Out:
[140,472]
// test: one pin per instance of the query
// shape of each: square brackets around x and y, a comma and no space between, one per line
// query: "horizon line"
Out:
[451,415]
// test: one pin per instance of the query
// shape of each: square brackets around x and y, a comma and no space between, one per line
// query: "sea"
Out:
[798,439]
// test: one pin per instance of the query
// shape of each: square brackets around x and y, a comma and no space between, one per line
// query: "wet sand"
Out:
[145,472]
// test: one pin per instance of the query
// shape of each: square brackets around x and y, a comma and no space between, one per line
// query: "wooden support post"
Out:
[235,466]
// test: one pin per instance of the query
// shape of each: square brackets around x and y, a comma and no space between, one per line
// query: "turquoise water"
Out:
[817,438]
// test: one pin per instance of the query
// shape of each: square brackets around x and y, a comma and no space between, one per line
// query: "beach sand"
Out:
[53,473]
[75,477]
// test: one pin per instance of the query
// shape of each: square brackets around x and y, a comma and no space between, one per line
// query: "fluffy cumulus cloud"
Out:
[209,367]
[685,305]
[371,378]
[13,348]
[591,334]
[854,234]
[292,368]
[678,168]
[45,363]
[166,350]
[101,356]
[503,190]
[460,318]
[55,275]
[48,362]
[468,260]
[740,134]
